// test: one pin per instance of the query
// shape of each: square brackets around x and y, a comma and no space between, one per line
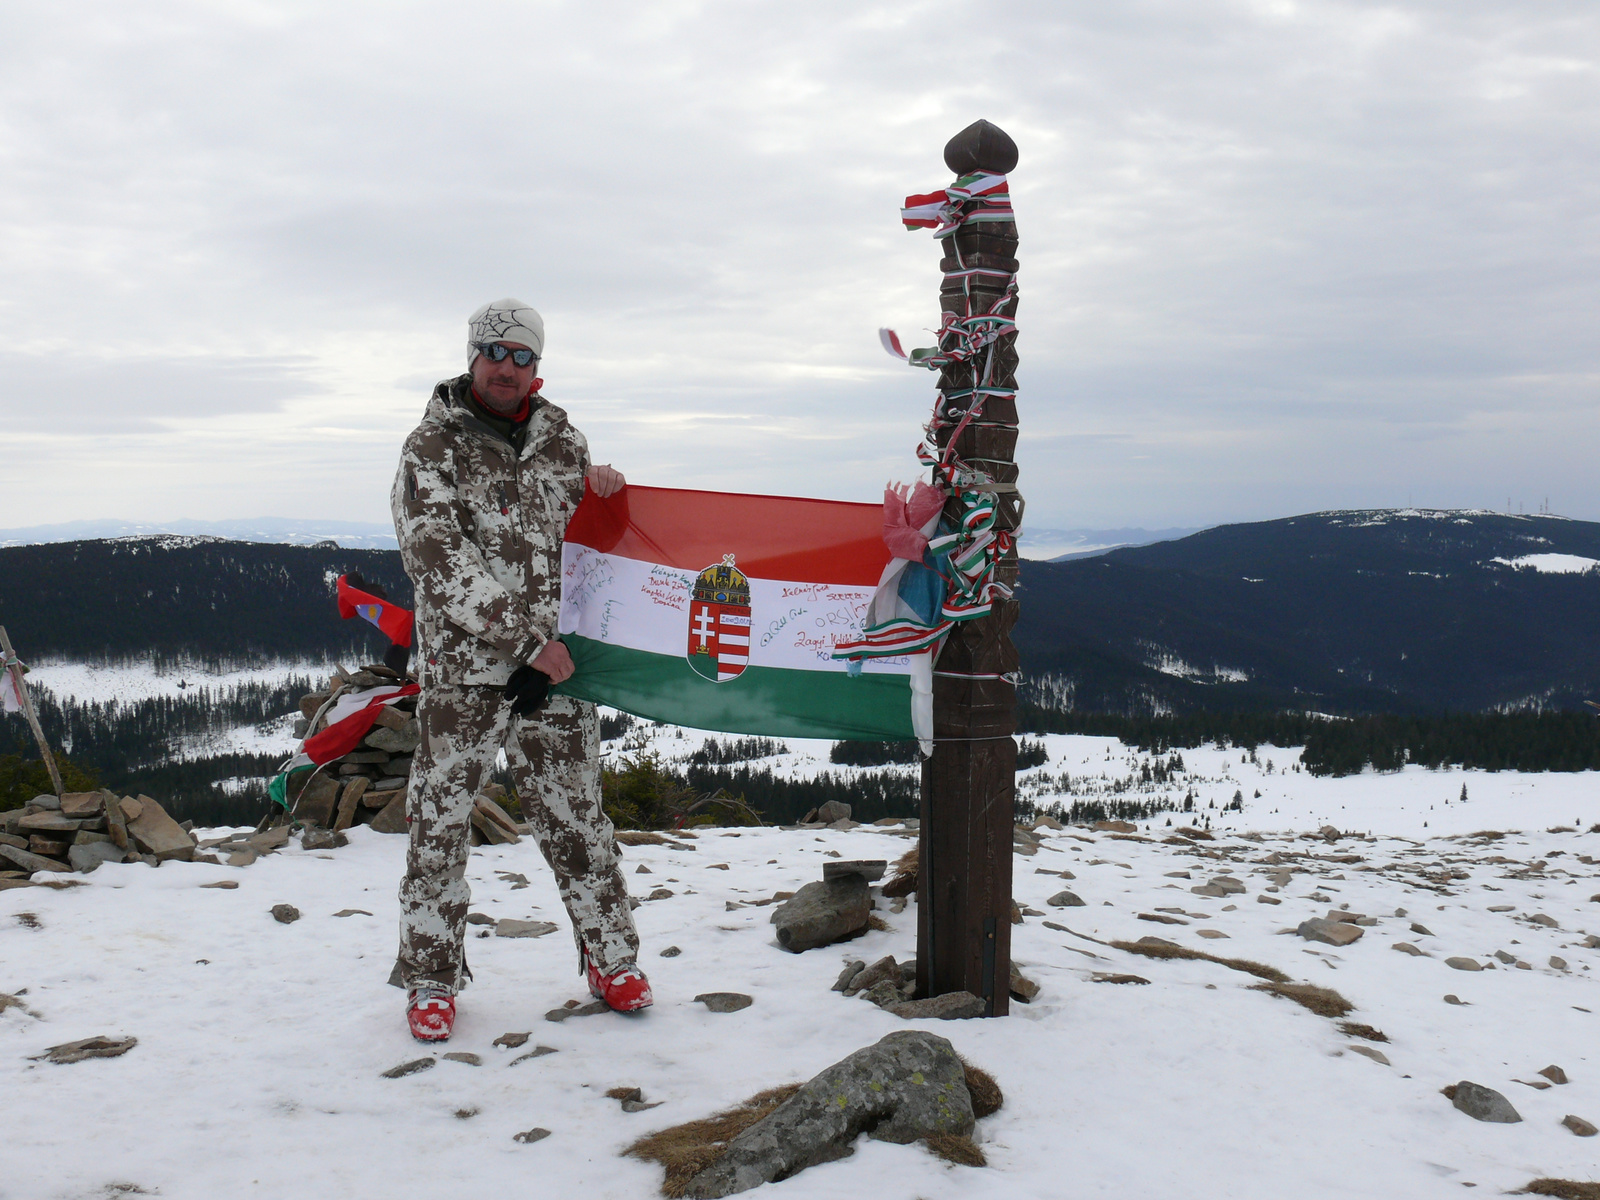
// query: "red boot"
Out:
[625,990]
[431,1015]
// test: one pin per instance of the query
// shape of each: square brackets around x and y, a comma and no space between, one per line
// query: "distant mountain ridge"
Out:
[357,535]
[1409,610]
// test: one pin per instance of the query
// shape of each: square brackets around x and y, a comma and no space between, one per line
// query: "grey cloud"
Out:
[1299,254]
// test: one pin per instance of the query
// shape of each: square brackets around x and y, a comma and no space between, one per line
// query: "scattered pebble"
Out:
[724,1002]
[671,952]
[463,1056]
[285,914]
[409,1068]
[530,1135]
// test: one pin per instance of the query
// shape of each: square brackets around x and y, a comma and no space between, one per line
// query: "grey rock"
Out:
[582,1010]
[48,822]
[27,861]
[1417,927]
[285,914]
[1483,1104]
[154,832]
[833,810]
[633,1106]
[88,857]
[343,912]
[1452,998]
[409,1068]
[530,1135]
[477,918]
[1023,988]
[536,1052]
[1408,948]
[1558,963]
[1229,885]
[952,1006]
[851,969]
[1579,1126]
[389,783]
[95,1047]
[463,1056]
[671,952]
[724,1002]
[869,869]
[1547,921]
[1333,933]
[322,839]
[884,968]
[1377,1056]
[46,801]
[886,993]
[523,929]
[394,741]
[1208,889]
[512,1041]
[907,1086]
[1554,1074]
[1066,900]
[824,912]
[1464,964]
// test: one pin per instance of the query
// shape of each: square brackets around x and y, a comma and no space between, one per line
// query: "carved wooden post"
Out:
[968,786]
[8,663]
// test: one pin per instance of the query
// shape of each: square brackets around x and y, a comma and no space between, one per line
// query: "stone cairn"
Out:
[368,785]
[80,830]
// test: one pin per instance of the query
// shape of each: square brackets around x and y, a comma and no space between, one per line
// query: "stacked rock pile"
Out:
[368,785]
[80,830]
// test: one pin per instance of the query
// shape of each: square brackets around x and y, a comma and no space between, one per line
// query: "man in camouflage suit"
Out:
[485,488]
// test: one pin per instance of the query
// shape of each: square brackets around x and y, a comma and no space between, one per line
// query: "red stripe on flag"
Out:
[770,537]
[344,736]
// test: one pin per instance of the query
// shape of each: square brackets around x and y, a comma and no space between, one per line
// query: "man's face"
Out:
[502,385]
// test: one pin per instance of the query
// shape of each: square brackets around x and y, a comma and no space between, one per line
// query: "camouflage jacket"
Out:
[480,530]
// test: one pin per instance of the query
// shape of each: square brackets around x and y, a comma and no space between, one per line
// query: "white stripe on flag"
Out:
[638,605]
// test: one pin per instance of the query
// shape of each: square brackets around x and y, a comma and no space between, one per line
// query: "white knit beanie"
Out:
[505,320]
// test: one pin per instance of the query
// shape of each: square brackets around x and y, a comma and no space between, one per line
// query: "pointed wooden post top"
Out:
[981,146]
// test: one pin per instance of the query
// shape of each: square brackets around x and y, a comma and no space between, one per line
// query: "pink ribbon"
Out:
[906,510]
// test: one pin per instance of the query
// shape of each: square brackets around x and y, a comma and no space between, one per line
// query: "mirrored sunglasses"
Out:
[495,352]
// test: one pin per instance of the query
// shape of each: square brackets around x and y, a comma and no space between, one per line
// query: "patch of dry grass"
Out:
[984,1090]
[903,875]
[878,924]
[686,1150]
[1357,1029]
[956,1148]
[1160,948]
[1563,1189]
[1325,1002]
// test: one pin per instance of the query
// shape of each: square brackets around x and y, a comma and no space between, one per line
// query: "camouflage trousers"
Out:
[554,760]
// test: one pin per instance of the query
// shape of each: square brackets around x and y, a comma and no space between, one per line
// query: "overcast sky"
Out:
[1276,256]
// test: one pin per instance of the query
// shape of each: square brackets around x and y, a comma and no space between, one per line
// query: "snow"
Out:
[132,682]
[261,1045]
[1553,564]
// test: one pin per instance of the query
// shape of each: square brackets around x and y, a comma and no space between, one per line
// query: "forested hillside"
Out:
[177,597]
[1344,612]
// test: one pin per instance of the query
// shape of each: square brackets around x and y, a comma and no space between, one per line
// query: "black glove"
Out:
[527,689]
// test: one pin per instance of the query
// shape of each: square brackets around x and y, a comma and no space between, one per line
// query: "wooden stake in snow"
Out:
[968,786]
[14,669]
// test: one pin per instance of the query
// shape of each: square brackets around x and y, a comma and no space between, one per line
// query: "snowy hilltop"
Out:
[1269,1008]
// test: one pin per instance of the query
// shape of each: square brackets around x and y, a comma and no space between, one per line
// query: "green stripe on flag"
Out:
[772,701]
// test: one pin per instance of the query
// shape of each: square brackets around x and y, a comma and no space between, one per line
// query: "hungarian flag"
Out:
[350,717]
[722,611]
[392,620]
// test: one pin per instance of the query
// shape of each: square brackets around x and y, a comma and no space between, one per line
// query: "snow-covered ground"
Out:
[131,682]
[261,1046]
